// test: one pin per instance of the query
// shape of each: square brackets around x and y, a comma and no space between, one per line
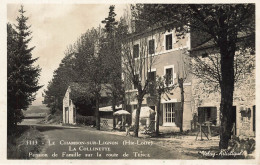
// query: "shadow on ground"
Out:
[43,128]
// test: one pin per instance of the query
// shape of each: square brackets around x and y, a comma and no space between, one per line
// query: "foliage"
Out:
[158,88]
[208,69]
[111,46]
[72,70]
[57,87]
[84,69]
[86,120]
[22,75]
[136,68]
[16,144]
[237,145]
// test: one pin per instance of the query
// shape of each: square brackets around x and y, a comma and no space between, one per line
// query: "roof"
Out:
[209,45]
[83,89]
[109,108]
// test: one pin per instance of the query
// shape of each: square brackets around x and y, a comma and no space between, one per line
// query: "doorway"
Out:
[66,114]
[233,119]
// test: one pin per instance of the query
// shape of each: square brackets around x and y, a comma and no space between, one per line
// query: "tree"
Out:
[111,46]
[136,63]
[230,27]
[157,89]
[182,76]
[91,67]
[22,76]
[62,77]
[84,63]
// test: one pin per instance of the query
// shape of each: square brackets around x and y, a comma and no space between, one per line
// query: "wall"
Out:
[165,58]
[67,102]
[244,97]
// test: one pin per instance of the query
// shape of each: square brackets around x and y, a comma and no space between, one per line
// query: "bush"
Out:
[238,145]
[85,120]
[16,144]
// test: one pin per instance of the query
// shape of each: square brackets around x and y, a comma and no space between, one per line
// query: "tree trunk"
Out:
[114,110]
[227,89]
[137,116]
[182,104]
[158,109]
[97,114]
[227,51]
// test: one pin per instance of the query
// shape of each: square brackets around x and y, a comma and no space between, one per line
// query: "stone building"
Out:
[206,99]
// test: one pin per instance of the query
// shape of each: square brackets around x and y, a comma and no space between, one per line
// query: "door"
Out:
[254,118]
[66,114]
[233,119]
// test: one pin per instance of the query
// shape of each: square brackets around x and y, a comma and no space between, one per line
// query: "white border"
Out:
[165,162]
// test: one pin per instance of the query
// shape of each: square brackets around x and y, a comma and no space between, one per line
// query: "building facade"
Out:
[207,105]
[69,109]
[166,54]
[169,55]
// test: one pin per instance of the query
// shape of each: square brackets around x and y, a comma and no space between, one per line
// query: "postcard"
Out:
[125,82]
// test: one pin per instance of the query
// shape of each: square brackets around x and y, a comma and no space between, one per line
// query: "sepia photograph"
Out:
[131,81]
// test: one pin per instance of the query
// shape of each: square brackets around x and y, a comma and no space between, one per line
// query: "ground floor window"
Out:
[169,112]
[207,114]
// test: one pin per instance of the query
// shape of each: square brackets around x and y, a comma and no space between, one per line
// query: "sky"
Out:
[54,27]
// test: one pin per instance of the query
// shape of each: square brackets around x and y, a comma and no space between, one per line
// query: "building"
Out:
[170,55]
[206,103]
[167,54]
[78,101]
[69,108]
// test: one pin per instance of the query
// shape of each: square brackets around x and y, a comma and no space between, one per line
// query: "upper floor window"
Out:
[151,46]
[168,41]
[136,51]
[136,77]
[152,76]
[169,76]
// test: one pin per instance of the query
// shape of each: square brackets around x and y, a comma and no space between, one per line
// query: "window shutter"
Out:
[201,115]
[178,114]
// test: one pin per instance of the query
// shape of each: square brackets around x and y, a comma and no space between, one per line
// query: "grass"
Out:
[17,147]
[36,110]
[55,118]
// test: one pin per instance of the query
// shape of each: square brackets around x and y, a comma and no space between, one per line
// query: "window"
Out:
[136,77]
[151,46]
[136,51]
[152,76]
[169,113]
[168,42]
[135,106]
[207,114]
[204,55]
[169,76]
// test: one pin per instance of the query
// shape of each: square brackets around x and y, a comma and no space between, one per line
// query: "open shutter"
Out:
[178,114]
